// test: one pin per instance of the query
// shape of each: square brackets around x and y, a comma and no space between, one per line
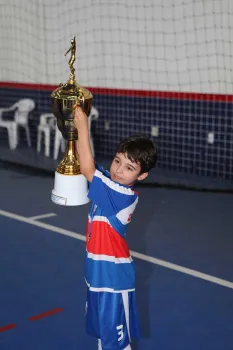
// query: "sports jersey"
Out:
[109,266]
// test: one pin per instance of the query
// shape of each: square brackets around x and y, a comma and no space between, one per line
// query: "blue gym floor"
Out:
[181,241]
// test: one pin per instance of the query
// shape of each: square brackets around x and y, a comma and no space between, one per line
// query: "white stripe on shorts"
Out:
[125,297]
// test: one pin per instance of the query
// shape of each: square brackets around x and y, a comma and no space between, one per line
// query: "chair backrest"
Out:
[48,120]
[23,108]
[94,115]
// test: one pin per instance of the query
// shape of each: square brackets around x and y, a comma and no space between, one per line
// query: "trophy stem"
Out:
[70,163]
[71,78]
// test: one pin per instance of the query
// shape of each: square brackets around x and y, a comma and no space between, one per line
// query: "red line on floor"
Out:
[45,314]
[6,328]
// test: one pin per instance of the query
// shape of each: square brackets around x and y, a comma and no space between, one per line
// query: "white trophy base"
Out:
[70,190]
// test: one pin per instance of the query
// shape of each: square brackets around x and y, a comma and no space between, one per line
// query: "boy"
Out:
[111,314]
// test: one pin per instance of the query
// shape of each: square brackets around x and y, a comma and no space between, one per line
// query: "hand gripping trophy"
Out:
[70,186]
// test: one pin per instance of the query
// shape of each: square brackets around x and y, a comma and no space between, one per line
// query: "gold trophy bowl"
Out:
[70,187]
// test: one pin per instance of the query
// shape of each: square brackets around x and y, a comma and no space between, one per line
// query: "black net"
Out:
[162,68]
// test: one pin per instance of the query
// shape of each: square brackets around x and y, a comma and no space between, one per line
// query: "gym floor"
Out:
[181,242]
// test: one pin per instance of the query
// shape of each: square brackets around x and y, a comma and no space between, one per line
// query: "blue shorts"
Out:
[112,317]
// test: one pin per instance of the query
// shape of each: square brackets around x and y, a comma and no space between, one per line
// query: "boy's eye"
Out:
[129,168]
[116,161]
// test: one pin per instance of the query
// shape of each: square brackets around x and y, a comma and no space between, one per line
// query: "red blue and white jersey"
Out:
[109,266]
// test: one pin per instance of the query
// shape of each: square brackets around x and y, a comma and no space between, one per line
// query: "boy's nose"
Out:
[119,169]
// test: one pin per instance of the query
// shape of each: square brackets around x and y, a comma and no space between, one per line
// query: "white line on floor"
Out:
[42,216]
[140,256]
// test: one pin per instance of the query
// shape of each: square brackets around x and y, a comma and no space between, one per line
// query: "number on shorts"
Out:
[120,333]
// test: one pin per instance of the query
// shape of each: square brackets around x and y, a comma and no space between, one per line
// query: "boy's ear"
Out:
[142,176]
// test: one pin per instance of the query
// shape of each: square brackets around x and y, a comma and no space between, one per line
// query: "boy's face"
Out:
[124,171]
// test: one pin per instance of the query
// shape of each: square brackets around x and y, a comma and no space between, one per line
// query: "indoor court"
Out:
[181,242]
[158,67]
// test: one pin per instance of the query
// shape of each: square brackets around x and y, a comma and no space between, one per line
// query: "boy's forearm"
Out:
[87,164]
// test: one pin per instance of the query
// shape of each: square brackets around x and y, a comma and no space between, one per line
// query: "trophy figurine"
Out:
[70,186]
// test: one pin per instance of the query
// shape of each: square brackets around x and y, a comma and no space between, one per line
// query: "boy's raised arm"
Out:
[87,164]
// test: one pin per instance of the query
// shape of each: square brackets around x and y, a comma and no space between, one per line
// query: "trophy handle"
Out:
[81,97]
[79,103]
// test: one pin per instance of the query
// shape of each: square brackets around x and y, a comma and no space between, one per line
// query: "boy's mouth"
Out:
[117,178]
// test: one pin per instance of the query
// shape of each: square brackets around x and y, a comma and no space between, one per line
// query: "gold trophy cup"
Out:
[70,186]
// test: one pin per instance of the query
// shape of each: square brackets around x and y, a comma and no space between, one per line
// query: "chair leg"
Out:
[56,144]
[92,147]
[63,145]
[10,138]
[38,148]
[47,142]
[28,135]
[13,136]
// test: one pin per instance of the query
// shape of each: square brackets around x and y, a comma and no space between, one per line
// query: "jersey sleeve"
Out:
[111,197]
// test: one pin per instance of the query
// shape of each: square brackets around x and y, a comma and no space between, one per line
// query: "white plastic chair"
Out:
[46,125]
[22,109]
[59,140]
[11,127]
[94,115]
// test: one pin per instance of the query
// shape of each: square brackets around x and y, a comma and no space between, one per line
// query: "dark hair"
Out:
[139,149]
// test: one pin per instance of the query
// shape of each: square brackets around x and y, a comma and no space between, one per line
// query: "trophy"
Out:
[70,186]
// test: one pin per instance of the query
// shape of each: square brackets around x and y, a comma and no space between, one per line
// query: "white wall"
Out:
[176,45]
